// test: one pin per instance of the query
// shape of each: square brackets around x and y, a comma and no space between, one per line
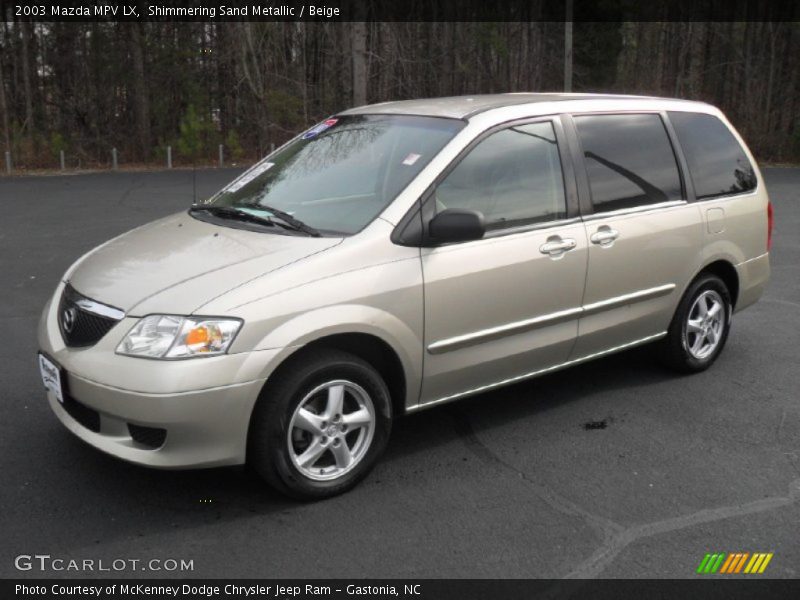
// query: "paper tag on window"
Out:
[411,159]
[247,177]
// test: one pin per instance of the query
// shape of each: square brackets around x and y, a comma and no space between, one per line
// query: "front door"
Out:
[506,306]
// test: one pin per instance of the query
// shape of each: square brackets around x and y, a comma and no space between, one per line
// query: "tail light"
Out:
[770,225]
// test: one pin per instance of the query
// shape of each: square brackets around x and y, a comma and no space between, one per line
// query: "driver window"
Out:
[513,177]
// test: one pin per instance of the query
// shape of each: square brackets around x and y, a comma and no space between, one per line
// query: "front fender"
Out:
[323,322]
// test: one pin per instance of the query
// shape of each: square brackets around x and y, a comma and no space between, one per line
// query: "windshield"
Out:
[339,175]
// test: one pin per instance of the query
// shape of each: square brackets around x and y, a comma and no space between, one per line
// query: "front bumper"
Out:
[203,429]
[204,404]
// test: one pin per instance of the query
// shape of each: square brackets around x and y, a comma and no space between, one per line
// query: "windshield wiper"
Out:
[228,212]
[289,220]
[233,212]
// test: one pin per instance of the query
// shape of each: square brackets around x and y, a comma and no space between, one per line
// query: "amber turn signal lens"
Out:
[198,335]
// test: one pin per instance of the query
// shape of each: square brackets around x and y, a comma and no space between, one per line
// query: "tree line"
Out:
[139,87]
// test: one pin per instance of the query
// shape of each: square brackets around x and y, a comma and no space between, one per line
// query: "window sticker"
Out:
[411,159]
[246,178]
[317,129]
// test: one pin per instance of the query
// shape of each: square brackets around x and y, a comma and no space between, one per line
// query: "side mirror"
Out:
[456,225]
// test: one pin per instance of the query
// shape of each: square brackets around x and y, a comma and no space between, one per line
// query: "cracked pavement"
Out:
[506,484]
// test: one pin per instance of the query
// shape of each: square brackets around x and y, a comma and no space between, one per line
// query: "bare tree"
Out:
[140,91]
[359,60]
[27,77]
[4,111]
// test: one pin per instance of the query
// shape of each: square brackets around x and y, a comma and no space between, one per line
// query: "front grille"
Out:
[83,321]
[152,437]
[84,415]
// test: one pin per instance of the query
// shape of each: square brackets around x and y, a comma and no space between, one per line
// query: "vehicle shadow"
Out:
[636,368]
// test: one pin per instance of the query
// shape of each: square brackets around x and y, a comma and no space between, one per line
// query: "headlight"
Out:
[167,336]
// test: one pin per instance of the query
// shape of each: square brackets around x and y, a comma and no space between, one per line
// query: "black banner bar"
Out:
[714,587]
[399,10]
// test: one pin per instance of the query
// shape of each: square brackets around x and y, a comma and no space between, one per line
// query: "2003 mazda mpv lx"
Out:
[399,256]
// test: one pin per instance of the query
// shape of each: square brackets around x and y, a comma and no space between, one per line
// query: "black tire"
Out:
[268,451]
[675,351]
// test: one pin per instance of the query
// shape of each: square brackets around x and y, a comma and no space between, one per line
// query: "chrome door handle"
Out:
[556,246]
[604,236]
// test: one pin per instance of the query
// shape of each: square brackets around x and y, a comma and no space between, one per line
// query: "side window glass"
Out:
[513,177]
[629,160]
[717,162]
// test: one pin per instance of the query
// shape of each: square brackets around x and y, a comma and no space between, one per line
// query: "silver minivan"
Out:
[399,256]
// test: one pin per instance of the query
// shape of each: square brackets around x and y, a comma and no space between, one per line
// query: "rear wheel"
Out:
[700,326]
[319,428]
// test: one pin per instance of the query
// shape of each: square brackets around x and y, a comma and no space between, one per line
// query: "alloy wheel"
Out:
[331,430]
[705,324]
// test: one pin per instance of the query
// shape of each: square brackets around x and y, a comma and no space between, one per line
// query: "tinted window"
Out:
[717,163]
[629,160]
[513,177]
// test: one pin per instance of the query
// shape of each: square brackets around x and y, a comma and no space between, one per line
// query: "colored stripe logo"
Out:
[734,562]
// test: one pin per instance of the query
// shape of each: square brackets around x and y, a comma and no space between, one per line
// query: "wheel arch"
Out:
[370,347]
[725,270]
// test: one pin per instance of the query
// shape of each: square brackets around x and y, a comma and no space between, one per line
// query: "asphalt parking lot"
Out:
[616,468]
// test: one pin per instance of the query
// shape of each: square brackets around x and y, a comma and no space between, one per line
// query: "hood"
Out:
[179,263]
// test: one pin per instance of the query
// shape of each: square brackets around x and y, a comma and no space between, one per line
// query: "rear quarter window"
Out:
[717,162]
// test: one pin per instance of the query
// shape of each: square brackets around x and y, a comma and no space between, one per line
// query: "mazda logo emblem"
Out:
[68,319]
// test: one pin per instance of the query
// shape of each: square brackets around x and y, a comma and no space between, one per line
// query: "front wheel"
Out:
[700,327]
[319,428]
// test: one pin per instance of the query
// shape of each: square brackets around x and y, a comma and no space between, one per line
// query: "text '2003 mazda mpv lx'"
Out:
[400,256]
